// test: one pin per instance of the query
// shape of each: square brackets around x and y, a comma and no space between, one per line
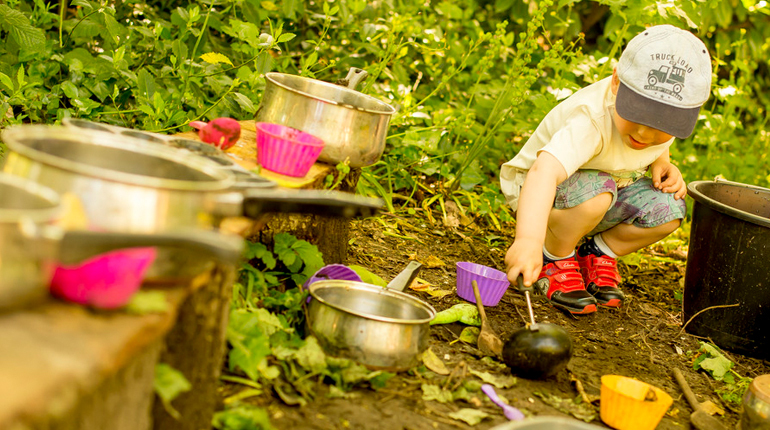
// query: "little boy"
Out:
[582,172]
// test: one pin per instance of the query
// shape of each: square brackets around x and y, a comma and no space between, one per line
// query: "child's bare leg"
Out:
[567,226]
[626,238]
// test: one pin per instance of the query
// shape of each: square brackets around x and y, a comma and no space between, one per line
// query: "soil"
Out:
[644,340]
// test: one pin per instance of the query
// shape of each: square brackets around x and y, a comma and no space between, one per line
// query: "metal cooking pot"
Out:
[32,243]
[128,185]
[378,327]
[352,125]
[243,177]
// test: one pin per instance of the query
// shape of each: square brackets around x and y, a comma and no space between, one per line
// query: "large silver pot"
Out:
[32,242]
[378,327]
[128,185]
[352,125]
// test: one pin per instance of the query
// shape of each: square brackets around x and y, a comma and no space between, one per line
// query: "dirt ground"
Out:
[643,340]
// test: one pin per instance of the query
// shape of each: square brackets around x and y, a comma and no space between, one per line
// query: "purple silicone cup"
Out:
[492,283]
[333,271]
[286,150]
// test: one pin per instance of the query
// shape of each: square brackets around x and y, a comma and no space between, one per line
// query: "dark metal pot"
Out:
[378,327]
[128,185]
[32,242]
[727,282]
[352,125]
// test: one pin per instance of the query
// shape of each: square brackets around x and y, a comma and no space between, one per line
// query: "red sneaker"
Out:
[601,277]
[562,284]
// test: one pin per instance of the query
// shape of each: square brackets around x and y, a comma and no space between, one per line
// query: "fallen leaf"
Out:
[438,293]
[470,416]
[432,262]
[505,381]
[434,392]
[712,408]
[582,411]
[434,363]
[420,284]
[470,335]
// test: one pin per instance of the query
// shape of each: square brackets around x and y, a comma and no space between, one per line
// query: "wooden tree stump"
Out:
[196,347]
[328,233]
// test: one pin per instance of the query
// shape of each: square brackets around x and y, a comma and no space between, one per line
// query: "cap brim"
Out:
[672,120]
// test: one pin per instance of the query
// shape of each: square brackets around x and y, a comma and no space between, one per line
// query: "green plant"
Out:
[266,334]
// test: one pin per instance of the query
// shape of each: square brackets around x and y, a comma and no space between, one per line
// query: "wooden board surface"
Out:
[245,154]
[55,354]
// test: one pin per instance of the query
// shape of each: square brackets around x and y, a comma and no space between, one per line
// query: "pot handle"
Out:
[354,77]
[78,245]
[332,203]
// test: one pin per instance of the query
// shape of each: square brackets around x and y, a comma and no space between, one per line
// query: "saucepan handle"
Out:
[76,246]
[333,203]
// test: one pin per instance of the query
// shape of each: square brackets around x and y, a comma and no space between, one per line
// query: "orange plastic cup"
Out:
[630,404]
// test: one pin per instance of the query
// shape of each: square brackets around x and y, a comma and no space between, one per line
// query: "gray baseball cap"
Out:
[665,78]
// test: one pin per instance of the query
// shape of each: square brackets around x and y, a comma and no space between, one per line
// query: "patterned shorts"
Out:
[639,204]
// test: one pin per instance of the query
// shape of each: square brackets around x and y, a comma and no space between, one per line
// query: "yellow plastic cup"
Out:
[630,404]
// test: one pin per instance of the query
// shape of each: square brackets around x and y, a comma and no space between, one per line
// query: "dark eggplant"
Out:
[538,353]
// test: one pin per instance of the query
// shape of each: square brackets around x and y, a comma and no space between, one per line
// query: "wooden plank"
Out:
[57,356]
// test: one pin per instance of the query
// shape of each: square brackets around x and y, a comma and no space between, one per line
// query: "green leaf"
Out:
[311,356]
[285,37]
[146,84]
[434,392]
[18,26]
[6,80]
[242,417]
[714,362]
[465,313]
[179,48]
[70,90]
[148,302]
[470,335]
[114,29]
[215,58]
[169,383]
[264,63]
[260,251]
[470,416]
[504,381]
[367,276]
[244,102]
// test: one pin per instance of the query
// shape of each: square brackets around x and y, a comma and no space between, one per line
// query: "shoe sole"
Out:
[576,311]
[614,303]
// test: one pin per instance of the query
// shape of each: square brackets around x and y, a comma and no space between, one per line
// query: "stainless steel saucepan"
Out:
[382,328]
[128,185]
[32,242]
[352,125]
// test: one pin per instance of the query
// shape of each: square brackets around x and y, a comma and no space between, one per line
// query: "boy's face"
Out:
[637,136]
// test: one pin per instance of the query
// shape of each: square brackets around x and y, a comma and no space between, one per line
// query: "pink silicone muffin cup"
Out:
[286,150]
[492,283]
[106,281]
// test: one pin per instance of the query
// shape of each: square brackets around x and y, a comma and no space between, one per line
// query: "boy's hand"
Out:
[524,257]
[667,178]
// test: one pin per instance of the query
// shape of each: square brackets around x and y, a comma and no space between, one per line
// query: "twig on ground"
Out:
[579,388]
[704,310]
